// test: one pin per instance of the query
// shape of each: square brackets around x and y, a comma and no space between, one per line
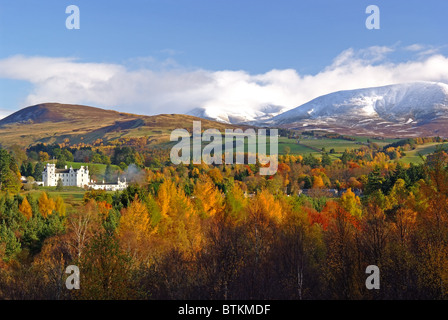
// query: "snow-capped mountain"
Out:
[405,110]
[244,115]
[401,103]
[401,110]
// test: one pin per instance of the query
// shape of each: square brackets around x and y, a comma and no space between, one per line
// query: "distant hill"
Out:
[413,109]
[56,112]
[54,123]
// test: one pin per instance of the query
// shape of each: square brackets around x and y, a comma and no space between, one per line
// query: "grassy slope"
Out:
[87,124]
[73,197]
[341,145]
[413,156]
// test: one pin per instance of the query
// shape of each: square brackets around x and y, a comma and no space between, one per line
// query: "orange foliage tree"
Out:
[25,209]
[207,198]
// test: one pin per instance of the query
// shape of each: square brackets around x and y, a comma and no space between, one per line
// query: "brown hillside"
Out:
[56,112]
[54,122]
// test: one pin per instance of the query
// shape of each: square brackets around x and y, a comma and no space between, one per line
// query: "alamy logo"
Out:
[373,280]
[212,153]
[373,21]
[72,281]
[72,21]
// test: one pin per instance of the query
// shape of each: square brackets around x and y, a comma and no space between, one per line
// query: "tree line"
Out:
[195,232]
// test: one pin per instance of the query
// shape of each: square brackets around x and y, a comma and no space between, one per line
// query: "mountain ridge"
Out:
[402,110]
[56,112]
[406,109]
[57,122]
[392,102]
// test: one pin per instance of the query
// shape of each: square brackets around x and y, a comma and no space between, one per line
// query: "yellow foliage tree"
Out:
[236,202]
[179,225]
[46,205]
[135,231]
[208,199]
[164,196]
[43,156]
[318,183]
[60,206]
[135,219]
[216,175]
[271,207]
[399,194]
[351,203]
[25,209]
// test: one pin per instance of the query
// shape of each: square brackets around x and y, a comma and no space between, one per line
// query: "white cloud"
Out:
[415,47]
[178,90]
[423,50]
[369,55]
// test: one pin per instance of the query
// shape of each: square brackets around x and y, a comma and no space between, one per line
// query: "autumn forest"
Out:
[226,232]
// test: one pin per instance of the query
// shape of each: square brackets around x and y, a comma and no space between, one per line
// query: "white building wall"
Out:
[49,175]
[83,176]
[75,177]
[119,186]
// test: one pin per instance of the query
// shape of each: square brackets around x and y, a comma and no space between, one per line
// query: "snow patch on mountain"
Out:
[245,115]
[404,103]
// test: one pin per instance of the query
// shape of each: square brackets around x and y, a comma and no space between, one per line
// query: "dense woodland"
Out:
[225,232]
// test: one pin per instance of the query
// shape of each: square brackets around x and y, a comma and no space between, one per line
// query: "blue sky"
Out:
[198,48]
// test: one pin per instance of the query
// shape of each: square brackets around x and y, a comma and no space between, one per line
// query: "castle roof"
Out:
[65,170]
[62,170]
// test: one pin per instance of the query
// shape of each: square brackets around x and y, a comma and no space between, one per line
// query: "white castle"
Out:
[77,178]
[70,177]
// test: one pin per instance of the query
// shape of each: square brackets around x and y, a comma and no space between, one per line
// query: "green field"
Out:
[307,145]
[340,145]
[295,148]
[413,156]
[72,196]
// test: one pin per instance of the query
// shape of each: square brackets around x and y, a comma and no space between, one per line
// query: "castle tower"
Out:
[49,175]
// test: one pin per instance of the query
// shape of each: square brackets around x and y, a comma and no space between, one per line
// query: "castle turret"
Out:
[49,175]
